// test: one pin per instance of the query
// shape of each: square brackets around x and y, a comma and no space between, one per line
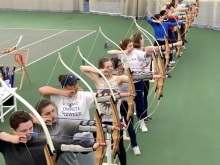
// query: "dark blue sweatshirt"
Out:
[159,30]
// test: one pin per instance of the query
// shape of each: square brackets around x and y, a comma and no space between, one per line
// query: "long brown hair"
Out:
[124,43]
[42,104]
[136,39]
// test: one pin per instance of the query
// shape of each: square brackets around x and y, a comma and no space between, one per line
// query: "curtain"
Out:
[43,5]
[208,17]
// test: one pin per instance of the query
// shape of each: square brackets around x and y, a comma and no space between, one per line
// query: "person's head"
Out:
[180,1]
[46,109]
[117,64]
[138,40]
[68,82]
[21,123]
[105,63]
[158,17]
[126,44]
[164,14]
[173,4]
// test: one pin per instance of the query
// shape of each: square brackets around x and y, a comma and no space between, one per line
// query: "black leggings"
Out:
[146,90]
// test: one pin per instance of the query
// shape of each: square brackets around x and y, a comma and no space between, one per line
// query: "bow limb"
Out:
[131,87]
[178,46]
[197,9]
[167,54]
[48,149]
[116,120]
[12,49]
[100,134]
[161,80]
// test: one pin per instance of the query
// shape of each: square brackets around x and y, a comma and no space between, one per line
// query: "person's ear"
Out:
[13,131]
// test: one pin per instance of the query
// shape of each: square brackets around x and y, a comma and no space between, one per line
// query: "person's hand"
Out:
[127,51]
[48,120]
[115,128]
[156,76]
[105,72]
[117,72]
[123,126]
[131,94]
[180,43]
[68,93]
[96,145]
[15,139]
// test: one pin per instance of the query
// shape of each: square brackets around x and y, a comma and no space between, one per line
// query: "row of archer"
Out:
[68,102]
[175,12]
[164,41]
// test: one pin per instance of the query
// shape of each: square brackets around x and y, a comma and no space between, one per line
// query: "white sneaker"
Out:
[143,126]
[172,62]
[136,150]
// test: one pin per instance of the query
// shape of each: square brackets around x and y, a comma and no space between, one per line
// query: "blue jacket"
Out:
[159,30]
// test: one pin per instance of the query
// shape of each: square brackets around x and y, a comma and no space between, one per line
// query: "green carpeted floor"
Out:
[184,129]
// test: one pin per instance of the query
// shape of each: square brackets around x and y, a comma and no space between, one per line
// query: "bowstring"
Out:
[63,152]
[29,153]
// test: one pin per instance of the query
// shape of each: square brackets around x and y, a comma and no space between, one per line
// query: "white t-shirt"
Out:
[137,60]
[76,107]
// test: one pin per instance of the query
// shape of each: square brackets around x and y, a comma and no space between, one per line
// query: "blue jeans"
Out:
[131,129]
[139,100]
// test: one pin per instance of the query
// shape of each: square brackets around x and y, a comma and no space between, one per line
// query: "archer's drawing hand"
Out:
[15,139]
[68,93]
[128,51]
[105,72]
[48,120]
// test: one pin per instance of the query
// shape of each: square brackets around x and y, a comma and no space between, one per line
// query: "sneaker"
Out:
[148,119]
[183,47]
[170,65]
[136,150]
[172,62]
[143,126]
[168,75]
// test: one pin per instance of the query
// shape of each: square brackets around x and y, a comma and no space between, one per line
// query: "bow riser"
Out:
[131,89]
[178,46]
[161,80]
[130,107]
[51,160]
[99,153]
[167,55]
[156,69]
[116,122]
